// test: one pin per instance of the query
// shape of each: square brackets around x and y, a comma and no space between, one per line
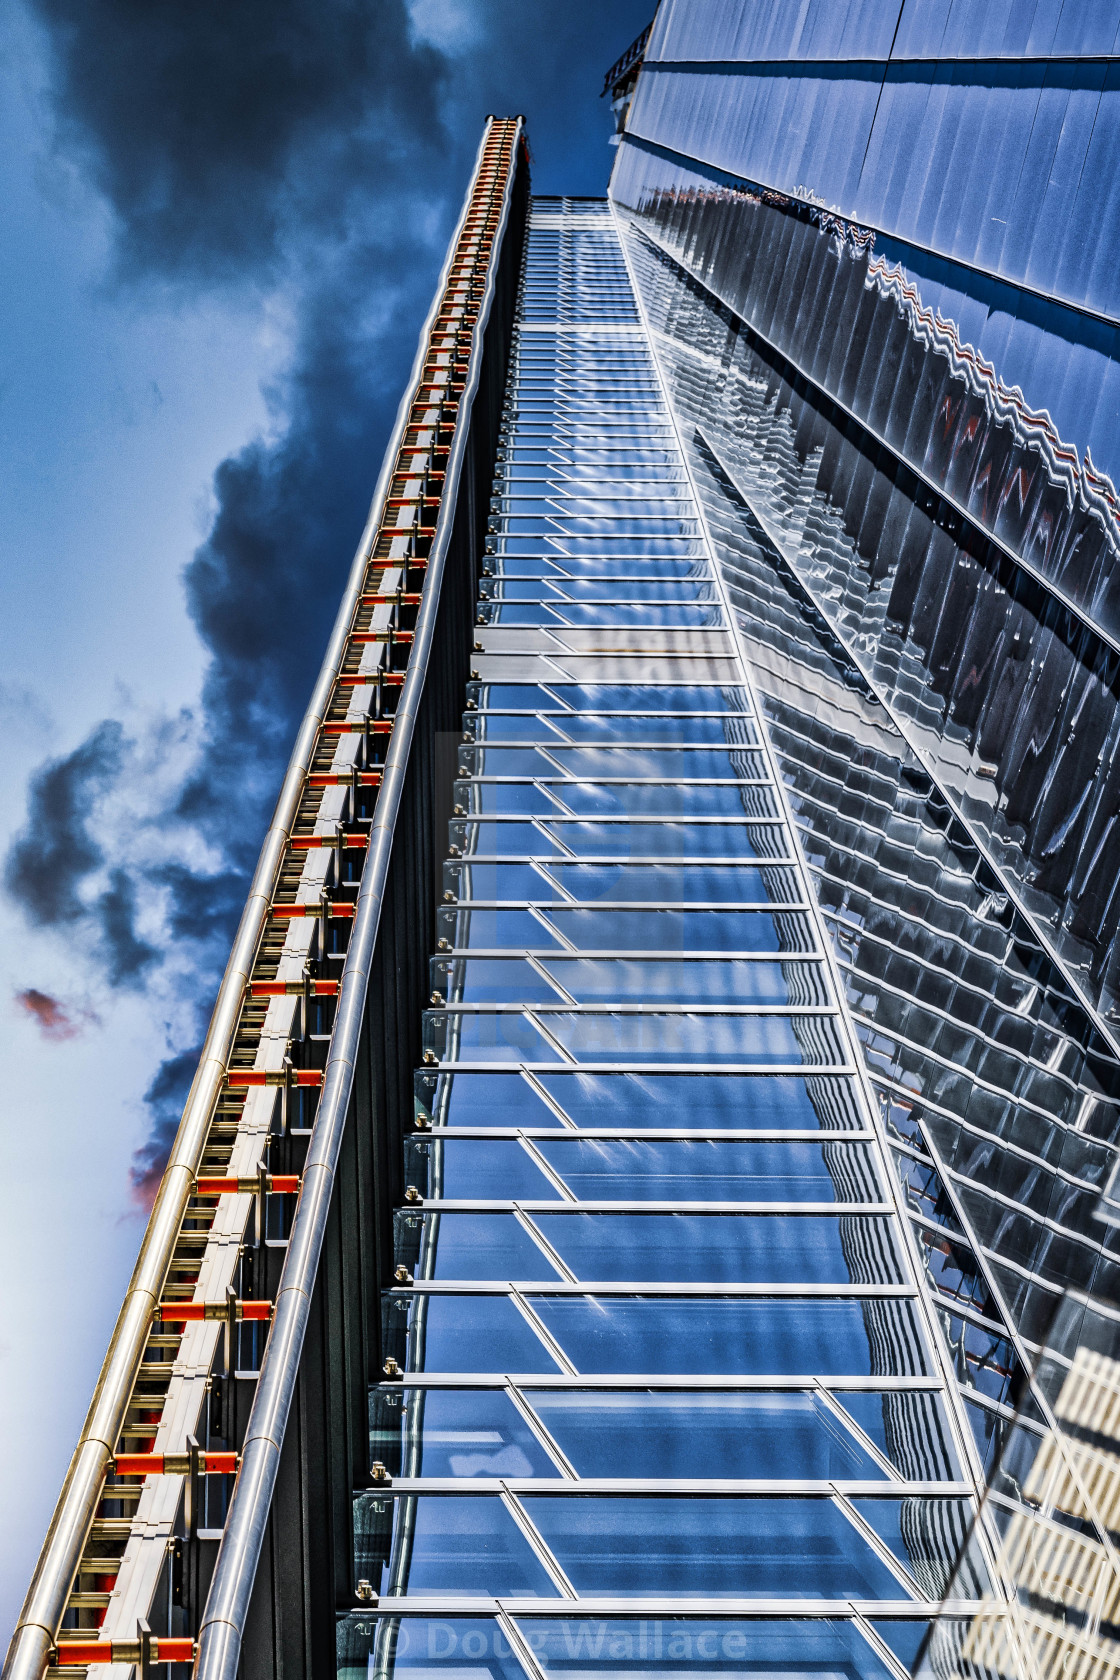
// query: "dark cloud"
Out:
[55,854]
[165,1097]
[211,126]
[266,139]
[263,589]
[51,1017]
[321,148]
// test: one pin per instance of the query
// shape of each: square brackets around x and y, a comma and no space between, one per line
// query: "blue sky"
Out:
[223,220]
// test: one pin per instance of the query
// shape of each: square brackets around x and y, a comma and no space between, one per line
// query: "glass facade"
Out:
[665,1389]
[927,367]
[738,1264]
[869,246]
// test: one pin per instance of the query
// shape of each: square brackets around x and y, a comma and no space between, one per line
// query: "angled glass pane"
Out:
[598,1648]
[457,1546]
[704,1102]
[721,1548]
[457,1646]
[713,1170]
[702,1435]
[721,1247]
[453,1432]
[474,1334]
[722,1337]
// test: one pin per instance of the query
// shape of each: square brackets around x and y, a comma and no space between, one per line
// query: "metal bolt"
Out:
[364,1591]
[412,1194]
[391,1368]
[430,1057]
[436,997]
[403,1275]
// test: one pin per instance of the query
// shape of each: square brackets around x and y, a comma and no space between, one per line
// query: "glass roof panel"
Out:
[721,1548]
[777,1437]
[724,1337]
[467,1432]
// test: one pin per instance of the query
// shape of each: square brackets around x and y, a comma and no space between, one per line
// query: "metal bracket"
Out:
[144,1636]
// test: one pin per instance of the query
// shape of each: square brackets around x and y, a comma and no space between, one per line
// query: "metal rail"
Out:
[628,63]
[219,1646]
[33,1641]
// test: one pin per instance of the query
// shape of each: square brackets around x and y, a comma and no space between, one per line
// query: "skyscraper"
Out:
[645,1205]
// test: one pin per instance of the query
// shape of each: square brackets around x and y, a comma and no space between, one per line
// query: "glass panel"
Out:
[722,1548]
[662,799]
[640,883]
[728,981]
[703,1102]
[454,1546]
[468,1333]
[715,1170]
[600,929]
[453,1432]
[916,1531]
[481,1099]
[595,1649]
[652,1037]
[700,729]
[605,979]
[724,1337]
[910,1429]
[625,700]
[632,615]
[484,1246]
[720,1248]
[778,1436]
[594,763]
[625,838]
[469,1037]
[372,1647]
[480,1169]
[904,1638]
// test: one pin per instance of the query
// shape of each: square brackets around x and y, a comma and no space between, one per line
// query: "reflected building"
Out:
[647,1202]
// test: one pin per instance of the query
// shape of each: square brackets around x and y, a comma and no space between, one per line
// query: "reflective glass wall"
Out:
[997,1090]
[665,1390]
[899,423]
[912,212]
